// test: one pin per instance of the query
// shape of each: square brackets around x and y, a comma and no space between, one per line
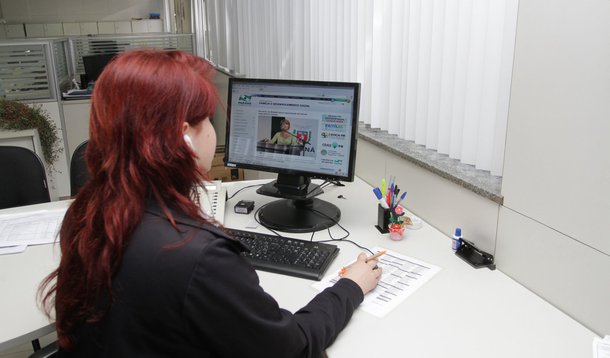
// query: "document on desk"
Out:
[12,249]
[33,228]
[601,347]
[401,276]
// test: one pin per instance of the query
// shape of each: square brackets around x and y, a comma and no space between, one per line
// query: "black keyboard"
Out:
[287,256]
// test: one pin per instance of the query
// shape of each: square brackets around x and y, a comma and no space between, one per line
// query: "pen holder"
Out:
[383,219]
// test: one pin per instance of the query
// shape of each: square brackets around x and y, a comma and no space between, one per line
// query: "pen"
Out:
[390,193]
[401,198]
[372,257]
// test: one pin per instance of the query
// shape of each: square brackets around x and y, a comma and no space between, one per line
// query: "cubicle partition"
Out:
[39,71]
[76,111]
[36,72]
[82,46]
[36,69]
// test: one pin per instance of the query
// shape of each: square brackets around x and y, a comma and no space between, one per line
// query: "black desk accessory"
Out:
[244,206]
[383,219]
[475,257]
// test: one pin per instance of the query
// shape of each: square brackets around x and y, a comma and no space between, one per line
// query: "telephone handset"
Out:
[212,200]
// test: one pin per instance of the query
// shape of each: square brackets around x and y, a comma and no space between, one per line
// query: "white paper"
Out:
[34,228]
[601,347]
[12,249]
[401,276]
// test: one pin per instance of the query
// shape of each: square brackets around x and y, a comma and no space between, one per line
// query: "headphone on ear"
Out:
[188,141]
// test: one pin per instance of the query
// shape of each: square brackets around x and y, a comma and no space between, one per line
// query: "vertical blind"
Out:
[436,72]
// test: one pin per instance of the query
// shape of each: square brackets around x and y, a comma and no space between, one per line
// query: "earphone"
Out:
[188,141]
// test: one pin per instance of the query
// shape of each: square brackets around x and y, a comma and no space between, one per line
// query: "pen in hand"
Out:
[372,257]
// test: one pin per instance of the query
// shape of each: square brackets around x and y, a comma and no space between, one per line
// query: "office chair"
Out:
[79,174]
[47,351]
[23,180]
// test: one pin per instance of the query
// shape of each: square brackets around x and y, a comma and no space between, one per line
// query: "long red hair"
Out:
[136,150]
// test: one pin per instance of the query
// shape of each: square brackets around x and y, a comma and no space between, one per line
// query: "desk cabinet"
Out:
[76,119]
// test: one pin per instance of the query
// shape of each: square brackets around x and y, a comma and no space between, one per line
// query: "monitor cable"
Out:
[342,239]
[332,239]
[246,187]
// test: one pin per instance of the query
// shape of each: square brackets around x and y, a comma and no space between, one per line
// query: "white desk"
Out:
[461,312]
[21,321]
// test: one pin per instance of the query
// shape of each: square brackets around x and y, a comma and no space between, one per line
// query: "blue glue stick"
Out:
[457,239]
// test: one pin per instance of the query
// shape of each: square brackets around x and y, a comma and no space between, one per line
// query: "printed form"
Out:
[34,228]
[402,275]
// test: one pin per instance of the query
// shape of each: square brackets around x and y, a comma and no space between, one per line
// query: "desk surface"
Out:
[461,312]
[20,274]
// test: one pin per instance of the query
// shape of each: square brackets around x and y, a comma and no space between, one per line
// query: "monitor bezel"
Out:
[271,169]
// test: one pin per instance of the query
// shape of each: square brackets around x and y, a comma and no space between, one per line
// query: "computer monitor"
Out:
[319,141]
[94,65]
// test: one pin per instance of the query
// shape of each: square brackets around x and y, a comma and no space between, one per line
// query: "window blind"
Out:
[436,72]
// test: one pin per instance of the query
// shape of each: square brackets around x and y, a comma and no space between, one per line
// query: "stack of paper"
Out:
[17,231]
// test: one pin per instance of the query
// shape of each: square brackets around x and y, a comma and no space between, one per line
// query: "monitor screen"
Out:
[94,65]
[300,130]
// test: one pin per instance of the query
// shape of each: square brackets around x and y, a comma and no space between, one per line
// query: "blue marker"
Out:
[379,196]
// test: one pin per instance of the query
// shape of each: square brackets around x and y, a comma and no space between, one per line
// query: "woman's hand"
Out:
[365,274]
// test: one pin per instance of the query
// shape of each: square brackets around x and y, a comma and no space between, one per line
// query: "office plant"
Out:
[18,116]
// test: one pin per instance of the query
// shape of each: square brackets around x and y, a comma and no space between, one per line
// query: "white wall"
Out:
[553,233]
[442,203]
[48,11]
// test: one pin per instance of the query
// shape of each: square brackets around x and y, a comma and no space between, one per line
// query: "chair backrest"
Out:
[79,174]
[23,180]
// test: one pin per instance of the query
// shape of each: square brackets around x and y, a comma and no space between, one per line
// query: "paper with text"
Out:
[402,275]
[33,228]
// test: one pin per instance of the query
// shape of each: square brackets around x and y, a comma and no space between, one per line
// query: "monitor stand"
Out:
[298,211]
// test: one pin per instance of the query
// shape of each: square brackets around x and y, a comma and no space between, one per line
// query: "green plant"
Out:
[18,116]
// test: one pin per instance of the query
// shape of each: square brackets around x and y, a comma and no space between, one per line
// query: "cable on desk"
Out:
[324,184]
[256,217]
[332,239]
[331,182]
[246,187]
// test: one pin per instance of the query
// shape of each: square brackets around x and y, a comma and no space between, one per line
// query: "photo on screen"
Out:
[297,141]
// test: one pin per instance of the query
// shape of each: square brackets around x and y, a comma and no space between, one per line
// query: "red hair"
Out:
[136,150]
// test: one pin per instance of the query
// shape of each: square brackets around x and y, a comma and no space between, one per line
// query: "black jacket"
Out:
[202,299]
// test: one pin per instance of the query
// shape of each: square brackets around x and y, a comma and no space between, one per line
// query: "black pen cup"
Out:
[383,219]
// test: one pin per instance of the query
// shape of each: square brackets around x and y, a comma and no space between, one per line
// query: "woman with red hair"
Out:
[143,272]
